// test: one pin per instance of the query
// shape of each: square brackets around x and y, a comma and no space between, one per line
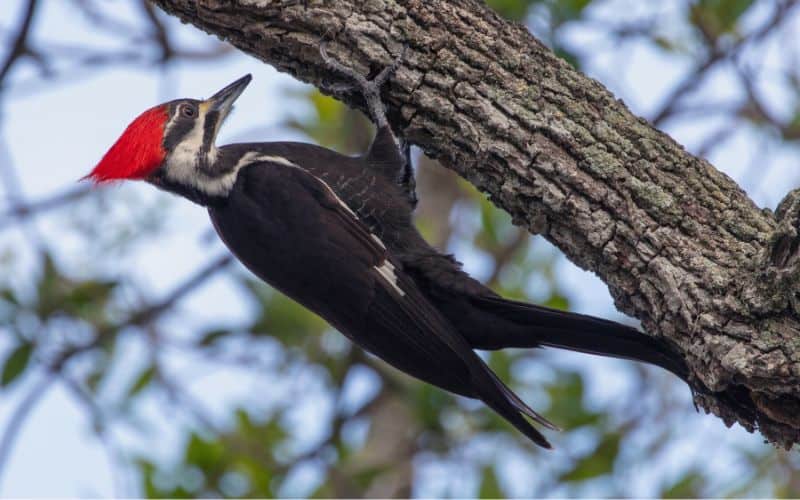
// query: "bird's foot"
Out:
[370,89]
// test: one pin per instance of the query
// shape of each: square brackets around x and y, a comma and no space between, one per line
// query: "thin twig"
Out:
[22,210]
[20,45]
[100,427]
[148,313]
[696,77]
[17,418]
[505,253]
[142,316]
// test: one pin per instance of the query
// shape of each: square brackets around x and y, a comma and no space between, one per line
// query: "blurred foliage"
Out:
[238,462]
[383,444]
[715,18]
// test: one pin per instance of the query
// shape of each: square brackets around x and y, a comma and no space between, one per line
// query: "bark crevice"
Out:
[679,244]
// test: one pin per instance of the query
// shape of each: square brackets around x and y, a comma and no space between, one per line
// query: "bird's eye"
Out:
[188,111]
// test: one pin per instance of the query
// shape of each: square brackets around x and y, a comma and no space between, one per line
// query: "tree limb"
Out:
[19,46]
[679,244]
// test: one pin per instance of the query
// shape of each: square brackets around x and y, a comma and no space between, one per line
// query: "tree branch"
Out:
[679,244]
[19,46]
[18,417]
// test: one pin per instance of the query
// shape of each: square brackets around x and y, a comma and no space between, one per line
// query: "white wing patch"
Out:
[378,240]
[386,270]
[336,197]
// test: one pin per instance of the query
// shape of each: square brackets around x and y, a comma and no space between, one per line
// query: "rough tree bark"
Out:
[679,244]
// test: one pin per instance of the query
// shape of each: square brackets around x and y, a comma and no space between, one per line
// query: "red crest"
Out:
[139,150]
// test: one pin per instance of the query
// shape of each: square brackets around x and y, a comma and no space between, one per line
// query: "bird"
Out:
[336,234]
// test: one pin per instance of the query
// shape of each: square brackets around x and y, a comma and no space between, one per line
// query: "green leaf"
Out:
[490,487]
[567,407]
[212,336]
[516,10]
[285,319]
[9,305]
[50,277]
[368,475]
[557,301]
[497,229]
[336,126]
[205,454]
[8,295]
[147,471]
[86,295]
[718,17]
[684,487]
[568,56]
[58,294]
[429,405]
[599,463]
[564,11]
[500,363]
[16,363]
[142,381]
[153,487]
[570,9]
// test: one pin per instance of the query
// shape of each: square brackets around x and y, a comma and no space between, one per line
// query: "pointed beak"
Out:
[222,101]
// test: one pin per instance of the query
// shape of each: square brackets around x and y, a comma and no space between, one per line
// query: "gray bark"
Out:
[679,244]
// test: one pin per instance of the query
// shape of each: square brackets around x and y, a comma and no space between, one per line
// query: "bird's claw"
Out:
[370,89]
[388,71]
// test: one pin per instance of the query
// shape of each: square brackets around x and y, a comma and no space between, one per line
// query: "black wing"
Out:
[292,230]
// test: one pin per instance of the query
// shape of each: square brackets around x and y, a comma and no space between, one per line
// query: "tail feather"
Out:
[520,405]
[578,332]
[498,401]
[500,398]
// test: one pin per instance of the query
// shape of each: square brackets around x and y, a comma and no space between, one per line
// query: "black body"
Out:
[335,233]
[289,228]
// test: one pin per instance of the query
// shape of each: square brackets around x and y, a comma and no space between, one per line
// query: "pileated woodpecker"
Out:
[335,233]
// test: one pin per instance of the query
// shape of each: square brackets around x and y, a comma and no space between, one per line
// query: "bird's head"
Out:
[172,143]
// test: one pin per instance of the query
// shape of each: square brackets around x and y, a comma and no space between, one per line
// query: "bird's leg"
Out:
[369,89]
[387,152]
[407,180]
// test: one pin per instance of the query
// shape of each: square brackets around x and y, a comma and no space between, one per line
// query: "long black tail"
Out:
[492,391]
[527,325]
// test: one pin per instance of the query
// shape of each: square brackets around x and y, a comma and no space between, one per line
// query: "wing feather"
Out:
[314,248]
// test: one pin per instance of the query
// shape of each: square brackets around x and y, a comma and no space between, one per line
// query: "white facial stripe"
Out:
[184,156]
[183,161]
[386,271]
[170,123]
